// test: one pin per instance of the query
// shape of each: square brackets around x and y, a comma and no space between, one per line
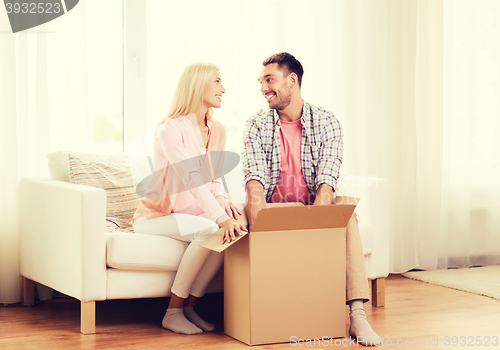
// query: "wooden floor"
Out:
[415,313]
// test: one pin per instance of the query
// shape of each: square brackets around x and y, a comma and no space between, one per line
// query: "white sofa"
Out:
[69,244]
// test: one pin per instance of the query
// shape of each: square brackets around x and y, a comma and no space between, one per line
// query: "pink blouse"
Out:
[183,181]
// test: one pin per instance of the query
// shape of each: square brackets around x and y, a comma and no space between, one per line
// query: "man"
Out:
[292,153]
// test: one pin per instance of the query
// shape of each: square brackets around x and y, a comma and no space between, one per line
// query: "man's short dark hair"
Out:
[287,64]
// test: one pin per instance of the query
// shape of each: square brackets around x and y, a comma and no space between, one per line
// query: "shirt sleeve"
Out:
[187,165]
[253,156]
[330,155]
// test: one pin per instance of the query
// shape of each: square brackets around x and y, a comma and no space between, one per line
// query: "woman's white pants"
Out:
[198,265]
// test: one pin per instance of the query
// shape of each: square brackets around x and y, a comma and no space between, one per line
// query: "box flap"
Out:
[291,216]
[307,216]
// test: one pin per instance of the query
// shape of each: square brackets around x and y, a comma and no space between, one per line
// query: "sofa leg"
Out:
[28,292]
[88,317]
[378,292]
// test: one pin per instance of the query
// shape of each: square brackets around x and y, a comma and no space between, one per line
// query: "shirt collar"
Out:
[275,116]
[192,119]
[194,122]
[306,114]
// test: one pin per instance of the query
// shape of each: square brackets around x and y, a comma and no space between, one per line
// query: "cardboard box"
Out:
[285,280]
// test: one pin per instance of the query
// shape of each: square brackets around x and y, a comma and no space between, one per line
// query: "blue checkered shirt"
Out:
[321,148]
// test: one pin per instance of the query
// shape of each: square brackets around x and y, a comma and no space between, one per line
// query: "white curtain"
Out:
[18,156]
[471,167]
[422,110]
[453,183]
[9,246]
[60,89]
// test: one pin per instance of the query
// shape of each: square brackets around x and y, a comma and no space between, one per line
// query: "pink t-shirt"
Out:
[291,186]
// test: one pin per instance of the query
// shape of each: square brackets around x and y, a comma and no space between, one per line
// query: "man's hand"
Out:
[324,195]
[256,201]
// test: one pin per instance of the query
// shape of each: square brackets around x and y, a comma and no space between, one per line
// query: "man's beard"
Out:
[281,103]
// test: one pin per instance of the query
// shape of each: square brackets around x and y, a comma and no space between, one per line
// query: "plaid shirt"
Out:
[321,148]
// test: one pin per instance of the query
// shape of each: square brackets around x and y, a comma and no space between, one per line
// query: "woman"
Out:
[180,204]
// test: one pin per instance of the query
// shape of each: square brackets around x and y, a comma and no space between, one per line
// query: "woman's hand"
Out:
[230,226]
[228,207]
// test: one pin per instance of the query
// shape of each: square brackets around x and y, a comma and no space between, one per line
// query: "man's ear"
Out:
[293,79]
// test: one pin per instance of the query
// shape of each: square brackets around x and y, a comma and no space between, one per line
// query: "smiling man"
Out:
[292,153]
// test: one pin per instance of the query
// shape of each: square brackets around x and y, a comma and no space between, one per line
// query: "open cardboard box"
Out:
[285,280]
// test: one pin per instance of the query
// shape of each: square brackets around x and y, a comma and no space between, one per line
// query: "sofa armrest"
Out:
[63,243]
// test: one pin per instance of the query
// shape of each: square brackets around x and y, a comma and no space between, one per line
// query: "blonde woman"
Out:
[178,204]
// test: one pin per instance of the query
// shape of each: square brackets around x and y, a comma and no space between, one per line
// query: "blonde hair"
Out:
[188,95]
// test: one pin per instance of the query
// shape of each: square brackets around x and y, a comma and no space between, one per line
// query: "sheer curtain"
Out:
[422,110]
[18,132]
[472,127]
[60,89]
[9,246]
[452,173]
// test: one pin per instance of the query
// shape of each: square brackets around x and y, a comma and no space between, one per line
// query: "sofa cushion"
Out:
[113,177]
[138,251]
[126,284]
[123,284]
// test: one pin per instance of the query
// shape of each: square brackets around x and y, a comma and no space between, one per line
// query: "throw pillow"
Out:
[116,179]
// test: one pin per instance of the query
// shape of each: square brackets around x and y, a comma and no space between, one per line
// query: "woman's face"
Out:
[214,89]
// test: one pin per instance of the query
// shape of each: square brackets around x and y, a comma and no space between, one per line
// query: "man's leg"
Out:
[357,290]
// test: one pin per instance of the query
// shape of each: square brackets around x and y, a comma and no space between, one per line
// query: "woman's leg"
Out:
[206,274]
[207,263]
[193,261]
[191,265]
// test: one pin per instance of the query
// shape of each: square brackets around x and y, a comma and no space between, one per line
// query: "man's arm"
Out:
[254,167]
[330,159]
[255,201]
[325,195]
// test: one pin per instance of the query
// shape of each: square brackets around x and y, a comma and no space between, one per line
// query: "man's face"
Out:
[274,87]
